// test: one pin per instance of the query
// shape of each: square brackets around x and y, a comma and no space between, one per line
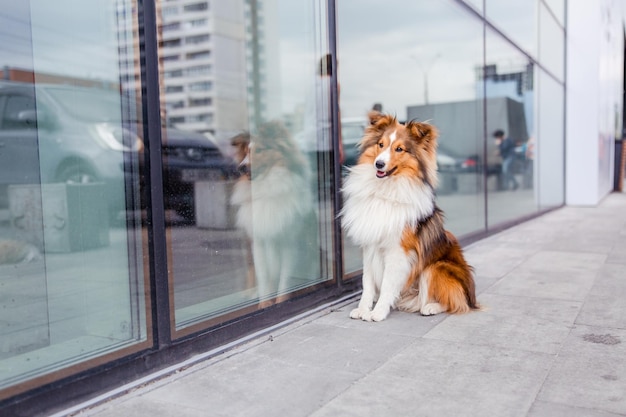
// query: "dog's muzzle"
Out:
[380,165]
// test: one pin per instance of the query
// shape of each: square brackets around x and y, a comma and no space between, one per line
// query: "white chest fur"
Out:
[376,210]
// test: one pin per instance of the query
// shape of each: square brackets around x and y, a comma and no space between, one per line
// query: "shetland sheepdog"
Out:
[410,262]
[275,208]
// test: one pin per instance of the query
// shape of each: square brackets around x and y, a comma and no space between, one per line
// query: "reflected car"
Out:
[447,161]
[70,134]
[189,157]
[352,130]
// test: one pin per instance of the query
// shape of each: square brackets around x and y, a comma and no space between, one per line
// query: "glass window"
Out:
[557,8]
[198,22]
[195,7]
[201,86]
[198,55]
[174,89]
[476,4]
[72,290]
[197,39]
[434,67]
[517,19]
[509,79]
[171,43]
[169,10]
[549,151]
[247,186]
[552,45]
[171,26]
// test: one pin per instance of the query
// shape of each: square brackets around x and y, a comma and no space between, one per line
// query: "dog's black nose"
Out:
[380,164]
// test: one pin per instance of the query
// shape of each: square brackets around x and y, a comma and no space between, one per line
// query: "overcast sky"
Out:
[386,50]
[70,37]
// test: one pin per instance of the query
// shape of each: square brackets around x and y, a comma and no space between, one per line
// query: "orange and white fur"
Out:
[410,262]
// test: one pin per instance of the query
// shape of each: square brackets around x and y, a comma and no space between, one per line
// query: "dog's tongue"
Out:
[381,174]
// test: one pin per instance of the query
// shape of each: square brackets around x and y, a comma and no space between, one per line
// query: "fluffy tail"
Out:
[409,301]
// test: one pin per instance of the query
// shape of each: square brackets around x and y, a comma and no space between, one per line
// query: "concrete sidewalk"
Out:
[552,342]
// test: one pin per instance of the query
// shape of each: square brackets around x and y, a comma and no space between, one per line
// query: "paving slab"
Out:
[525,323]
[399,323]
[440,378]
[605,305]
[556,285]
[545,409]
[333,348]
[246,384]
[590,371]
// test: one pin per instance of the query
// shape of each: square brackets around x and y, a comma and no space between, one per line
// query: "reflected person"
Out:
[275,209]
[506,149]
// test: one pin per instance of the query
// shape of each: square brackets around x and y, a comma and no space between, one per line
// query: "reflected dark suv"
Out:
[70,134]
[189,157]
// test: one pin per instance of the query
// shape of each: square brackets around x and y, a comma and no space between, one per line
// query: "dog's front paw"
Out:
[431,309]
[379,314]
[360,313]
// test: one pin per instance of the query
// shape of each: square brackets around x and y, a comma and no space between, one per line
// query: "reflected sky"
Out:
[432,38]
[15,35]
[82,43]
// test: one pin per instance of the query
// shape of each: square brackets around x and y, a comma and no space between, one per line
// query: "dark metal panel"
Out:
[159,286]
[336,135]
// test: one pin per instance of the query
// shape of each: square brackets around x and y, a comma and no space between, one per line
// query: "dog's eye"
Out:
[380,145]
[399,149]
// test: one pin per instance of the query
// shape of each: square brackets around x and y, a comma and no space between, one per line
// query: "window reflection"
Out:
[247,154]
[510,96]
[275,209]
[550,127]
[517,19]
[71,269]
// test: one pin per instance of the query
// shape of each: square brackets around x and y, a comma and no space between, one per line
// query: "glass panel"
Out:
[557,8]
[552,45]
[476,4]
[509,87]
[435,78]
[71,268]
[517,19]
[247,155]
[549,151]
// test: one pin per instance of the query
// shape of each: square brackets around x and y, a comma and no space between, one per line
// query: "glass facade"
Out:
[248,167]
[170,169]
[72,280]
[510,102]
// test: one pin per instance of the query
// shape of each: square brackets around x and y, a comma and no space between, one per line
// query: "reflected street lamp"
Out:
[425,70]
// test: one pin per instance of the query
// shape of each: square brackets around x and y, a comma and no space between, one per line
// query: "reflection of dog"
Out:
[16,252]
[275,209]
[410,261]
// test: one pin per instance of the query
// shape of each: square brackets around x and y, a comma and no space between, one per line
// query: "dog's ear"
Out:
[424,133]
[374,116]
[379,122]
